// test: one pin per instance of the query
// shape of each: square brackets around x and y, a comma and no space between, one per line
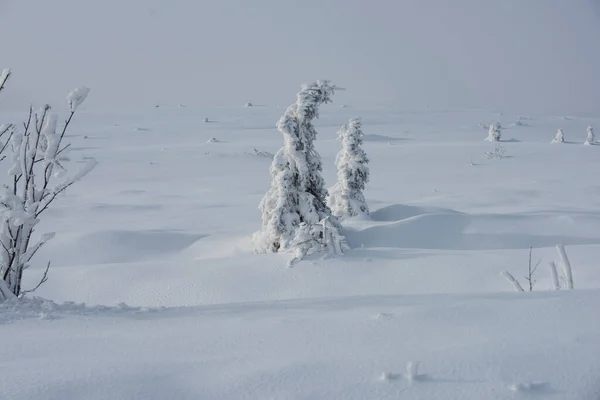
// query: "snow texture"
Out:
[165,228]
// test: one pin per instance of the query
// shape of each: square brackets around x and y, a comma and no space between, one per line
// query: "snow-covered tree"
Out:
[346,197]
[494,132]
[560,137]
[591,138]
[294,209]
[35,157]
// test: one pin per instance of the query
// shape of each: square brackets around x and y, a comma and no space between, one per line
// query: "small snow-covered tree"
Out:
[560,137]
[494,132]
[346,197]
[295,205]
[36,176]
[591,138]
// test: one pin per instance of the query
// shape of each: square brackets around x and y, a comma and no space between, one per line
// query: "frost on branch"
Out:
[77,96]
[566,266]
[346,197]
[295,205]
[4,77]
[34,157]
[560,137]
[494,132]
[591,138]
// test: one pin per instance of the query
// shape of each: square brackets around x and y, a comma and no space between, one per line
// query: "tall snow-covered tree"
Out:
[591,138]
[494,132]
[294,210]
[560,137]
[35,157]
[346,197]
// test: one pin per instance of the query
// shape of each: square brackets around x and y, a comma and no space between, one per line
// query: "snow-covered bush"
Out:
[494,132]
[560,137]
[591,138]
[36,176]
[295,205]
[346,197]
[498,153]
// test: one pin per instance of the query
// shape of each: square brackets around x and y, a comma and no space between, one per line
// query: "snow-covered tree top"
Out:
[311,96]
[77,96]
[355,127]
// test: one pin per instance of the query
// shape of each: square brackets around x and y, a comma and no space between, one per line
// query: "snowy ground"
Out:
[164,225]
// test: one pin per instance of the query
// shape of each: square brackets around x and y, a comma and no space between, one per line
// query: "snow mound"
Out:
[380,138]
[451,230]
[104,247]
[531,388]
[397,212]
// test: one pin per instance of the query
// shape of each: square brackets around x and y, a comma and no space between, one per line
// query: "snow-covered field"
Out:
[159,234]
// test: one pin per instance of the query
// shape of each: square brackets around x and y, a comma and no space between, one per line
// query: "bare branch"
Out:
[63,149]
[4,75]
[26,198]
[28,255]
[531,270]
[40,283]
[555,280]
[513,281]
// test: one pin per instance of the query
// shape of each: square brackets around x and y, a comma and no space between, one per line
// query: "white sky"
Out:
[519,55]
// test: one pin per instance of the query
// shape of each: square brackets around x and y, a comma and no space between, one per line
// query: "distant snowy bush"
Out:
[591,138]
[498,153]
[346,197]
[494,132]
[560,137]
[259,153]
[36,157]
[294,209]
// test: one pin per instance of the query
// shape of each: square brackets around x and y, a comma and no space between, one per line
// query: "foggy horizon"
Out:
[529,56]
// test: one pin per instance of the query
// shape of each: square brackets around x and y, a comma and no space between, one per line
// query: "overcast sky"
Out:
[521,55]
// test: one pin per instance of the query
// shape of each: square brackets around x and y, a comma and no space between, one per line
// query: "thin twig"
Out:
[40,283]
[531,271]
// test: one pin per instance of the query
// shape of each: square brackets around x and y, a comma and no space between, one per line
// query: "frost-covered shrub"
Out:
[498,153]
[296,200]
[494,132]
[346,197]
[591,138]
[35,157]
[560,137]
[314,238]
